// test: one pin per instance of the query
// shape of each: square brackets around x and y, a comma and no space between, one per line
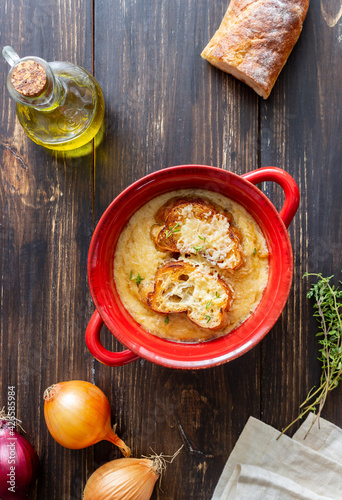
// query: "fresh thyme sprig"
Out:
[328,312]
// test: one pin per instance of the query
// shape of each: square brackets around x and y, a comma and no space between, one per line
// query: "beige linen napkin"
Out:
[262,467]
[324,437]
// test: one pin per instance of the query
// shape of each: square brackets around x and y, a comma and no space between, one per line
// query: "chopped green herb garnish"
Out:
[174,229]
[166,320]
[208,318]
[254,252]
[197,249]
[208,304]
[217,295]
[137,279]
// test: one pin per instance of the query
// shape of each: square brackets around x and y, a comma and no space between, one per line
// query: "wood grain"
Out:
[300,133]
[46,226]
[167,107]
[164,106]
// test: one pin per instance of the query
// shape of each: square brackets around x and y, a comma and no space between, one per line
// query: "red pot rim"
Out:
[213,352]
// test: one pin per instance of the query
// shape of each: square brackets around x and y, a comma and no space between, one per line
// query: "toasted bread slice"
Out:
[195,226]
[182,287]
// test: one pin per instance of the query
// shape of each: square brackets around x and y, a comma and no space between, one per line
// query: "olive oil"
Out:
[63,112]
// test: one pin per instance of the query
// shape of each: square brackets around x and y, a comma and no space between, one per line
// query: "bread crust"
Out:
[255,39]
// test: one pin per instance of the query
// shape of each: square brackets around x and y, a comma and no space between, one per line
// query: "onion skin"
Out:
[77,414]
[122,479]
[26,463]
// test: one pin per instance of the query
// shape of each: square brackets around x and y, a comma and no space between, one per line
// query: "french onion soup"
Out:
[191,265]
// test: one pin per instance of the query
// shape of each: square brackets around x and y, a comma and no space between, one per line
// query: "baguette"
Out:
[255,39]
[194,226]
[182,287]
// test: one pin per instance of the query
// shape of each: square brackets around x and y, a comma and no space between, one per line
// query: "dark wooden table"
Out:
[164,106]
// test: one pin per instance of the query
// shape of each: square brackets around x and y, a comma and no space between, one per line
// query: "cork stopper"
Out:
[29,78]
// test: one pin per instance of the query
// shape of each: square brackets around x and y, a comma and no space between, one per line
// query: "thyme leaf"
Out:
[208,318]
[328,312]
[171,230]
[166,320]
[138,279]
[198,249]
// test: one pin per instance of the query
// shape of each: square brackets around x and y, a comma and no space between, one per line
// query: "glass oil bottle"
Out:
[59,105]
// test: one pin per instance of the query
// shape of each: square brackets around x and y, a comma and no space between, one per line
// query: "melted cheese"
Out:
[136,253]
[209,235]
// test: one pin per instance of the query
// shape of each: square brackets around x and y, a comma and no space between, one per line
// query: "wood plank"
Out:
[45,227]
[300,132]
[167,106]
[164,106]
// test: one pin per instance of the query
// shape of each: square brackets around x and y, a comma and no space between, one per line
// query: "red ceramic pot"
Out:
[109,308]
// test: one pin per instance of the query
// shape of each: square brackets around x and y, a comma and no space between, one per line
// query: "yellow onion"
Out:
[127,478]
[123,479]
[77,414]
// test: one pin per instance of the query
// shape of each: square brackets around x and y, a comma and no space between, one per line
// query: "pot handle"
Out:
[99,352]
[288,184]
